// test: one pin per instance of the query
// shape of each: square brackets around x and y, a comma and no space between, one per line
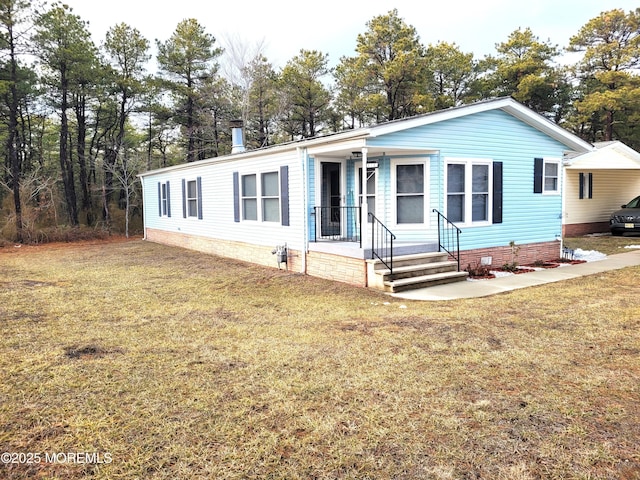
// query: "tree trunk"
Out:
[191,141]
[609,127]
[82,157]
[66,165]
[12,139]
[110,157]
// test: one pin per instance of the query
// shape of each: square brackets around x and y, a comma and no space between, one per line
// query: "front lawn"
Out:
[133,360]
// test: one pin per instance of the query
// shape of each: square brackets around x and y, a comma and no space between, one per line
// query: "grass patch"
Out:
[183,365]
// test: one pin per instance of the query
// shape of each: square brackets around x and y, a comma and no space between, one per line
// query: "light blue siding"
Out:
[495,135]
[311,189]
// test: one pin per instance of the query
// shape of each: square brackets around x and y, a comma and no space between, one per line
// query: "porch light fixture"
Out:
[356,154]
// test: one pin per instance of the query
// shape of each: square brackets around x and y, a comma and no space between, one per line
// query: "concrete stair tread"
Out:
[424,281]
[419,270]
[417,267]
[415,257]
[422,278]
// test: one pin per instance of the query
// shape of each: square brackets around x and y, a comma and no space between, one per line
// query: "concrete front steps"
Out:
[414,271]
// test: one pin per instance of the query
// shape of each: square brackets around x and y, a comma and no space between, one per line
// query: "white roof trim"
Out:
[607,156]
[507,104]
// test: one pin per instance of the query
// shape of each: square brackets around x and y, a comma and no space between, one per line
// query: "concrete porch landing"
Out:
[353,249]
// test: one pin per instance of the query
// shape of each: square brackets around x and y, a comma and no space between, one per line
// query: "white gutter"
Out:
[144,213]
[305,209]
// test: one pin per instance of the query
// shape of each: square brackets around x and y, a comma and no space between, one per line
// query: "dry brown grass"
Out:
[183,365]
[606,244]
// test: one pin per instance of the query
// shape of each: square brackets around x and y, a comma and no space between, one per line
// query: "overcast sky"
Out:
[284,27]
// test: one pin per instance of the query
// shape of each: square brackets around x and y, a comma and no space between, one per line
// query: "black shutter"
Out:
[168,201]
[199,189]
[236,197]
[590,185]
[184,198]
[497,192]
[581,180]
[159,199]
[538,166]
[284,195]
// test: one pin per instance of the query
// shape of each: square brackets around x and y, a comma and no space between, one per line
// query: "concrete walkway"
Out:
[483,288]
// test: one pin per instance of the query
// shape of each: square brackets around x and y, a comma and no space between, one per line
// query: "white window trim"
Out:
[186,193]
[394,193]
[243,198]
[545,162]
[263,197]
[468,189]
[259,196]
[164,199]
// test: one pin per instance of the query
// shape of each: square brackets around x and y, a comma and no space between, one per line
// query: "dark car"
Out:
[626,220]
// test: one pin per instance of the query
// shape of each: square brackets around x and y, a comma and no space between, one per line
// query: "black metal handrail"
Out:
[448,237]
[381,242]
[337,223]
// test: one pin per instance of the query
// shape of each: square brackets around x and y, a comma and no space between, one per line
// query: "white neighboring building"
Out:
[596,184]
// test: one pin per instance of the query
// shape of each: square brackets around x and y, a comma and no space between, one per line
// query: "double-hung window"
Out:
[192,198]
[270,190]
[456,192]
[249,197]
[551,176]
[261,197]
[546,176]
[469,191]
[410,189]
[164,199]
[479,193]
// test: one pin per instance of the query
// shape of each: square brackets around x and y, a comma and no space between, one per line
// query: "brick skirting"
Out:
[526,254]
[246,252]
[336,267]
[579,229]
[322,265]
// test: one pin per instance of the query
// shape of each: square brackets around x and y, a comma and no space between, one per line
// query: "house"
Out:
[480,182]
[596,184]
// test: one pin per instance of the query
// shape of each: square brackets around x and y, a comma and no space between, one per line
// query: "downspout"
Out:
[440,197]
[563,197]
[144,213]
[305,207]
